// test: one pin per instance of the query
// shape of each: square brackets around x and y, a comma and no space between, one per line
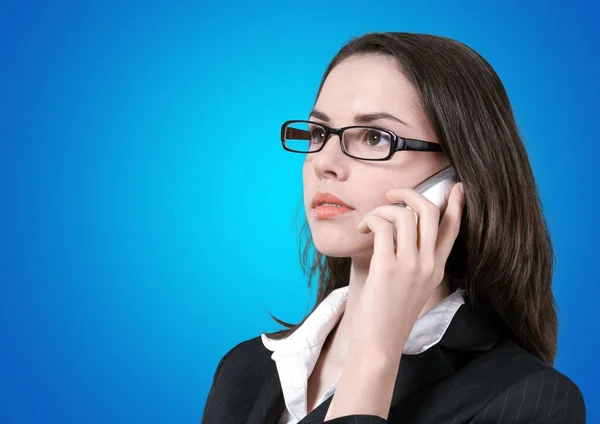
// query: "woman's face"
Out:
[362,85]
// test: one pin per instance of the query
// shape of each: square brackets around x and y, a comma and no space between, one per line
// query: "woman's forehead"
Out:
[366,84]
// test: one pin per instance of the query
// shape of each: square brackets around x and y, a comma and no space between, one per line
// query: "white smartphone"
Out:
[436,189]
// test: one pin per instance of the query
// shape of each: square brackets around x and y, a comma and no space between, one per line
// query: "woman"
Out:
[455,325]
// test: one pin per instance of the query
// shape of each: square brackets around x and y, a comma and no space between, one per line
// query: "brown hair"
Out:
[503,254]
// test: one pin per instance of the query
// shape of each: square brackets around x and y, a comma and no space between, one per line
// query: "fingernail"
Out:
[462,188]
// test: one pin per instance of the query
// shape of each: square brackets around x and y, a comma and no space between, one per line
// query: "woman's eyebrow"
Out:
[319,115]
[369,117]
[364,118]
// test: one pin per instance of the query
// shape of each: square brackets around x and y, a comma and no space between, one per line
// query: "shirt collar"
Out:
[427,330]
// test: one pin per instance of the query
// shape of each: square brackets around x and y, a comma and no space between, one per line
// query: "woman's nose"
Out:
[332,145]
[330,159]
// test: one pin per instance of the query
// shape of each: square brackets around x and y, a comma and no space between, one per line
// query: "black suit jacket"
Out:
[473,375]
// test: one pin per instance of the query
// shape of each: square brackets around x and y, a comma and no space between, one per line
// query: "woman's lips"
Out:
[324,212]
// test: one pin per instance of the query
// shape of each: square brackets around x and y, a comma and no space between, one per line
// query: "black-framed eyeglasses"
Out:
[357,141]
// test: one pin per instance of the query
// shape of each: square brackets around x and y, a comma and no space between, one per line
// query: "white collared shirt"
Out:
[296,355]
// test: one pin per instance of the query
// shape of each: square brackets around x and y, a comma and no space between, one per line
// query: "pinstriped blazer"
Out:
[475,374]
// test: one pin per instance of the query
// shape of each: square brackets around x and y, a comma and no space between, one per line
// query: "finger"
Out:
[429,217]
[450,225]
[404,220]
[406,229]
[383,246]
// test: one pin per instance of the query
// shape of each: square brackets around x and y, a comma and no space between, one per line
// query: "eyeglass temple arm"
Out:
[419,145]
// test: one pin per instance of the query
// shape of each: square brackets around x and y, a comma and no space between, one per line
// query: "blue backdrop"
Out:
[147,205]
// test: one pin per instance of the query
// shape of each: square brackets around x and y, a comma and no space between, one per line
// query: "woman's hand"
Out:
[400,282]
[397,288]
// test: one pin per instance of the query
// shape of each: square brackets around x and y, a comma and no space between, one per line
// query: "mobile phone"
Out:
[436,189]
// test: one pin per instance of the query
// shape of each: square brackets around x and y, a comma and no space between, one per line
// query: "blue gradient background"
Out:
[140,238]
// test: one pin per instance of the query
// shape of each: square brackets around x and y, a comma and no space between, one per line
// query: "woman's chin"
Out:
[341,250]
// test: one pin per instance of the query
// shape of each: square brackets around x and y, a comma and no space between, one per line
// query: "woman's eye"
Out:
[373,138]
[317,135]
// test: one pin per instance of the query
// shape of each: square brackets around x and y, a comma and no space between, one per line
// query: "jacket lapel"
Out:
[467,333]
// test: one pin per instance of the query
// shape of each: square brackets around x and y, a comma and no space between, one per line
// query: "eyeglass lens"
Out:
[360,142]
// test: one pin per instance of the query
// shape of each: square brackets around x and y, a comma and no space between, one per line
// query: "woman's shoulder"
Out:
[523,388]
[248,354]
[253,345]
[237,381]
[508,356]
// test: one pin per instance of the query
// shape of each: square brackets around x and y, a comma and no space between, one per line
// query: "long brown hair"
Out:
[503,255]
